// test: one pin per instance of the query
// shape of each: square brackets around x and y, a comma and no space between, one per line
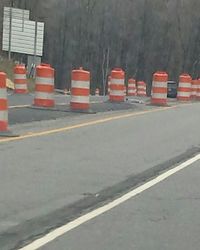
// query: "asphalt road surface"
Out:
[164,217]
[60,169]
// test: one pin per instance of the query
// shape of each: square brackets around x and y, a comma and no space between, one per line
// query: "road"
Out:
[81,162]
[165,217]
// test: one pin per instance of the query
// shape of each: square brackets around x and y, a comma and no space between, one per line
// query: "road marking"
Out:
[28,105]
[65,103]
[19,106]
[99,211]
[81,125]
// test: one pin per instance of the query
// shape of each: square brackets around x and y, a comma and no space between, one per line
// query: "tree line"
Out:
[140,36]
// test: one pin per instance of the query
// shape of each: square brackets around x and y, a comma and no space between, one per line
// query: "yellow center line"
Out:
[81,125]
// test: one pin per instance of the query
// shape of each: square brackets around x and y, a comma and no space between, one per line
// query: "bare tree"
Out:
[141,36]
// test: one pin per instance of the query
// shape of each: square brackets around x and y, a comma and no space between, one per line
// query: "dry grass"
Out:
[7,67]
[31,85]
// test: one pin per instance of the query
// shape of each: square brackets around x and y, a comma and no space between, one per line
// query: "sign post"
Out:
[10,32]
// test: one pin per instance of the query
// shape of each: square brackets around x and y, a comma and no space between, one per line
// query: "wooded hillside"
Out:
[141,36]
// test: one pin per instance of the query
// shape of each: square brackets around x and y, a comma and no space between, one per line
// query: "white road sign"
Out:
[26,36]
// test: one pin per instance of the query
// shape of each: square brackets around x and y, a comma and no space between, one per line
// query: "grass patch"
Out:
[31,84]
[7,67]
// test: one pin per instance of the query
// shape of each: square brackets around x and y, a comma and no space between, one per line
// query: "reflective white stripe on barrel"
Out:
[159,95]
[3,115]
[20,77]
[117,92]
[80,99]
[44,95]
[183,94]
[117,81]
[80,84]
[3,93]
[184,85]
[45,80]
[20,86]
[159,84]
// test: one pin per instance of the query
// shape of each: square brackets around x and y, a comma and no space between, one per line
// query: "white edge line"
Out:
[19,106]
[29,105]
[89,216]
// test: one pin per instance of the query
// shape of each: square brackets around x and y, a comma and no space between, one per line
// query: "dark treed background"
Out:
[141,36]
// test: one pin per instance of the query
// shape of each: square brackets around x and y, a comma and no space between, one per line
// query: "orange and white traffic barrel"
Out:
[80,90]
[44,86]
[198,91]
[20,80]
[194,89]
[97,92]
[3,103]
[159,88]
[132,90]
[184,88]
[109,82]
[117,86]
[141,88]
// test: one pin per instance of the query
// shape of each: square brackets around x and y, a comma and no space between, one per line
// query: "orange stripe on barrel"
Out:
[44,88]
[159,90]
[80,92]
[116,87]
[80,106]
[3,104]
